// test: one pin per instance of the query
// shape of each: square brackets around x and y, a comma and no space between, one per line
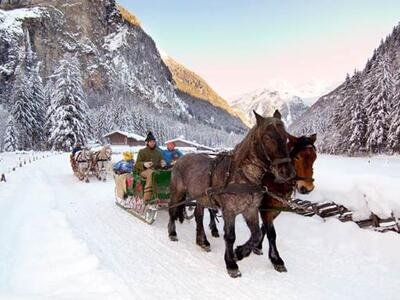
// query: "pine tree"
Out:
[68,113]
[380,87]
[358,123]
[11,136]
[38,110]
[22,111]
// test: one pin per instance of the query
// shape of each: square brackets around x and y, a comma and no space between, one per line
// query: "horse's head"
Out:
[105,152]
[271,139]
[303,155]
[86,154]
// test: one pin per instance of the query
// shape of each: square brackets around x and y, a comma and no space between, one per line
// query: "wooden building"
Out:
[118,137]
[182,143]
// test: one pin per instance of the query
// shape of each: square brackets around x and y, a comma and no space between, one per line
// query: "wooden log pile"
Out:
[331,209]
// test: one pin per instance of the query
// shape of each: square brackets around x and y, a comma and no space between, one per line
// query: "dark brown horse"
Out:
[303,154]
[232,183]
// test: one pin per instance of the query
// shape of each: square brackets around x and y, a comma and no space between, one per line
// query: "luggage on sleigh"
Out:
[133,199]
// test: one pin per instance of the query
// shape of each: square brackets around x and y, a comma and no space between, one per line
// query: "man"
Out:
[148,159]
[171,154]
[77,148]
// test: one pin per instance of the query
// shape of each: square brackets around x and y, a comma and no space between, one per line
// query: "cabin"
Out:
[182,143]
[119,137]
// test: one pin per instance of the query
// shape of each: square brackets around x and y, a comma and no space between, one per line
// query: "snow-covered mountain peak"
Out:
[265,101]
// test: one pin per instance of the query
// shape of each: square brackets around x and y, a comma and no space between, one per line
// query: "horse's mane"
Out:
[250,142]
[300,144]
[241,150]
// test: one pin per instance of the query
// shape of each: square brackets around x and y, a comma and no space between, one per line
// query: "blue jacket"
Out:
[76,149]
[169,156]
[124,166]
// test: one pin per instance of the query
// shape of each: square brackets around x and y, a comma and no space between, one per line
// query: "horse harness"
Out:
[237,188]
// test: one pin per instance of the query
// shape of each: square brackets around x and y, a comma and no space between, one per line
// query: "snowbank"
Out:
[364,185]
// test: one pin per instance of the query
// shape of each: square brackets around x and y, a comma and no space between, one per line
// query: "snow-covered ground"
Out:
[364,185]
[64,239]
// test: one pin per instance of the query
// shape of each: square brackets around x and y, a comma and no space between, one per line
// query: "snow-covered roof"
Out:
[127,134]
[196,145]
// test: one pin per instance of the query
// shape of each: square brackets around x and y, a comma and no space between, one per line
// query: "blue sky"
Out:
[240,45]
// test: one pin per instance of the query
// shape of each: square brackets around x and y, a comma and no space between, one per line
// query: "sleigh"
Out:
[133,200]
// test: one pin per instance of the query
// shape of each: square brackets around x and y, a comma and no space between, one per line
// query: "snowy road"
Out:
[64,239]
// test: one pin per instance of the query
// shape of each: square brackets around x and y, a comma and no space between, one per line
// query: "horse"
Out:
[83,163]
[100,162]
[231,182]
[303,155]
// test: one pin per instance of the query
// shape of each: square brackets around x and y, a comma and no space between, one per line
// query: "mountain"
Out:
[192,84]
[123,76]
[266,101]
[362,115]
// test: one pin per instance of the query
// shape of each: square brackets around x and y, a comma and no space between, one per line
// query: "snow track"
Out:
[65,239]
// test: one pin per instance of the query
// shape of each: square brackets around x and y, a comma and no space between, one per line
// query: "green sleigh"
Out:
[133,201]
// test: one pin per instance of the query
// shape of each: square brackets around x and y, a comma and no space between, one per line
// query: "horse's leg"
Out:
[258,249]
[273,253]
[177,194]
[213,225]
[229,236]
[251,217]
[201,238]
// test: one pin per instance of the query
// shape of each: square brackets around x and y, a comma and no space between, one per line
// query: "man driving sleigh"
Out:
[148,159]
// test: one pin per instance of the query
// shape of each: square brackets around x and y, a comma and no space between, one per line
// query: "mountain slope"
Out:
[119,63]
[266,101]
[192,84]
[362,115]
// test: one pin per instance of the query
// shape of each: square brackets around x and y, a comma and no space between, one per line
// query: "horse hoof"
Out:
[235,273]
[215,234]
[173,238]
[280,268]
[206,248]
[257,251]
[87,180]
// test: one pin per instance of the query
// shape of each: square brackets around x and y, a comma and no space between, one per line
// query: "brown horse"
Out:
[303,154]
[231,182]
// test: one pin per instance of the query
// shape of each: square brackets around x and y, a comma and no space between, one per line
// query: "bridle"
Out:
[277,161]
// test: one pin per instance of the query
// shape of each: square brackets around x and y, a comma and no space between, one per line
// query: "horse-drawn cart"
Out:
[133,202]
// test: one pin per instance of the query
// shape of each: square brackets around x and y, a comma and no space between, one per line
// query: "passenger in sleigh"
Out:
[123,170]
[149,158]
[125,165]
[171,154]
[77,148]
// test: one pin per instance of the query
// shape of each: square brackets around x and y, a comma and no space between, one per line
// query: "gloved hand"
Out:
[173,162]
[148,164]
[163,163]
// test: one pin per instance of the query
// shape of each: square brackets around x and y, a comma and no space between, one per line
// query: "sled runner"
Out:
[133,198]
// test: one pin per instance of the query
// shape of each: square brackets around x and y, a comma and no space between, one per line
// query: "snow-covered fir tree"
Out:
[38,110]
[11,136]
[21,111]
[380,87]
[358,123]
[68,112]
[394,128]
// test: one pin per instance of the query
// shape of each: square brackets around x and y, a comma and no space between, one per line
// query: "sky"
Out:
[238,46]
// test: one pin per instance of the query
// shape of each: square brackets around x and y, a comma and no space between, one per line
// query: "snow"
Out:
[127,134]
[195,145]
[363,184]
[11,20]
[117,39]
[68,240]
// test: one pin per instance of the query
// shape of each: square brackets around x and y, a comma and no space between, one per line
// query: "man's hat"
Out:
[150,137]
